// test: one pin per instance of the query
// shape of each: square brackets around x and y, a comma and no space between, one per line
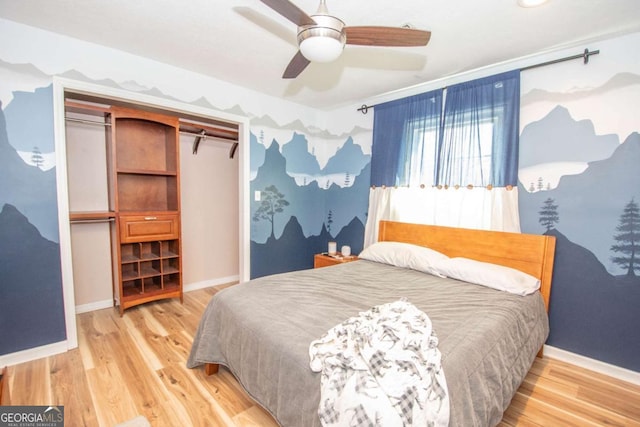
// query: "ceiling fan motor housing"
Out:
[329,31]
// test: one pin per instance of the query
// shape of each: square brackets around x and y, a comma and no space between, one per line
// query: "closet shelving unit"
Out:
[143,174]
[145,179]
[143,171]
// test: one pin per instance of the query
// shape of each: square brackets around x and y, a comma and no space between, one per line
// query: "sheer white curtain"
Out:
[477,207]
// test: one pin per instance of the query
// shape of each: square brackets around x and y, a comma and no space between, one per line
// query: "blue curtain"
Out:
[480,132]
[475,141]
[399,137]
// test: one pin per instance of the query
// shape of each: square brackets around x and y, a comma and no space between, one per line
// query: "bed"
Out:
[261,330]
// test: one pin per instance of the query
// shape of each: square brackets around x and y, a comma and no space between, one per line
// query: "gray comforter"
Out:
[261,330]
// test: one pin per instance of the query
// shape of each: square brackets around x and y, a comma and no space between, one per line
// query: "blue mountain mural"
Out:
[309,203]
[30,118]
[31,304]
[593,312]
[341,168]
[256,153]
[559,138]
[299,159]
[309,216]
[594,303]
[590,203]
[345,203]
[31,190]
[293,251]
[348,159]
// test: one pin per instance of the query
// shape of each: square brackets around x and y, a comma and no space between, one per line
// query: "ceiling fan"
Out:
[321,37]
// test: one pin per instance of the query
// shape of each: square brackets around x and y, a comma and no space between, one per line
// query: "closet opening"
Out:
[212,172]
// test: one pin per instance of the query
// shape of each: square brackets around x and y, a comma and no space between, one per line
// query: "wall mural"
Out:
[31,281]
[308,197]
[579,176]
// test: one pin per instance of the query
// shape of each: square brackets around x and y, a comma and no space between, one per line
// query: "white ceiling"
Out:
[246,43]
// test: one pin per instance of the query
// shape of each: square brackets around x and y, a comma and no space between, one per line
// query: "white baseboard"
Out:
[593,364]
[93,306]
[209,283]
[33,353]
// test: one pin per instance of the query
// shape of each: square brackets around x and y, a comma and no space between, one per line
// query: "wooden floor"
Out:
[135,365]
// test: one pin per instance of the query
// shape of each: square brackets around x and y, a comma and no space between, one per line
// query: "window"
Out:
[472,141]
[403,132]
[422,147]
[469,162]
[419,165]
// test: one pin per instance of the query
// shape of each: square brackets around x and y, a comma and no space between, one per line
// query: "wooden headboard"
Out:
[530,253]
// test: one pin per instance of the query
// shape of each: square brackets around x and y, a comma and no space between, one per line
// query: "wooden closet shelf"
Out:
[148,272]
[147,172]
[91,215]
[133,296]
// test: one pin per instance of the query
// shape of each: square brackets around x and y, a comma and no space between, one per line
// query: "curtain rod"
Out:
[584,55]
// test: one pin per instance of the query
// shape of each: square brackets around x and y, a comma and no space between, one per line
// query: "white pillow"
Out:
[490,275]
[404,255]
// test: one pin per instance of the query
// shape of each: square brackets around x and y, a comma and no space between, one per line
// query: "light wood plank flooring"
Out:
[135,365]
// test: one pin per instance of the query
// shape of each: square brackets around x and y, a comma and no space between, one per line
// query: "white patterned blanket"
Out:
[381,368]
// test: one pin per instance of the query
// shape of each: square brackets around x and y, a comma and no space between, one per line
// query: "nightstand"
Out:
[324,260]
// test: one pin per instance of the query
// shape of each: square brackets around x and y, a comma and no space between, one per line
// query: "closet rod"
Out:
[584,55]
[199,135]
[88,122]
[93,122]
[202,135]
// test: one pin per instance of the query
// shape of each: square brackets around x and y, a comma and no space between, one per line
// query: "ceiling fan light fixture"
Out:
[321,48]
[323,42]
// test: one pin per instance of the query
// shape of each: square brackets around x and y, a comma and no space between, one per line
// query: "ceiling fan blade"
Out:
[290,11]
[296,66]
[275,27]
[386,36]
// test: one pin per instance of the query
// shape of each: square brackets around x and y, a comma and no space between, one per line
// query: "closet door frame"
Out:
[64,85]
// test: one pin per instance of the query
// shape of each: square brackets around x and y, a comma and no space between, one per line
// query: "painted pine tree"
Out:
[36,157]
[549,214]
[628,238]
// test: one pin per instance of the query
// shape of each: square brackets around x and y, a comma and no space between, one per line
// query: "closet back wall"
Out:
[210,215]
[90,243]
[209,194]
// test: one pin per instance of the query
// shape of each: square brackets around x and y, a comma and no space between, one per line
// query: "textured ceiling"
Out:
[246,43]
